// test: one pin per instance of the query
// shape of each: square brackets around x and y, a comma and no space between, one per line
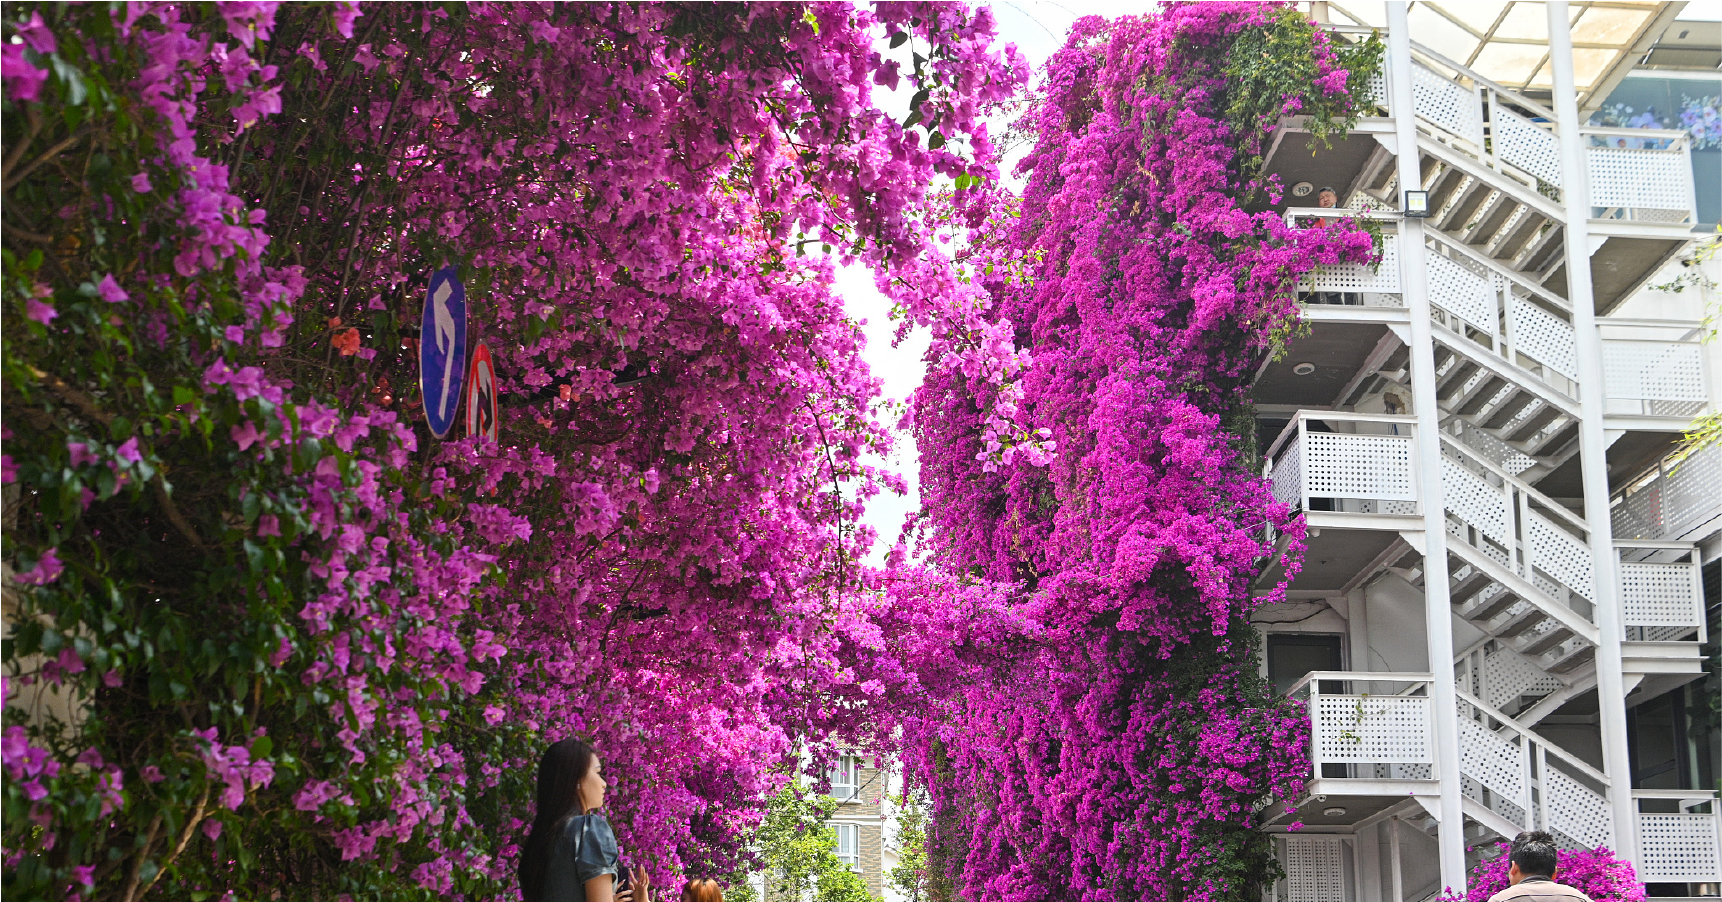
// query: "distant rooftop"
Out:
[1507,42]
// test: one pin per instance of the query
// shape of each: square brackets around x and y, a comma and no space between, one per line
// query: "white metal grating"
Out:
[1476,502]
[1315,869]
[1655,594]
[1654,371]
[1560,554]
[1508,676]
[1372,729]
[1455,108]
[1494,761]
[1358,466]
[1678,847]
[1637,179]
[1693,492]
[1577,810]
[1542,336]
[1360,277]
[1287,474]
[1527,145]
[1462,289]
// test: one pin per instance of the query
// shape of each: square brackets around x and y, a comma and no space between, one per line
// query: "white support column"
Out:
[1398,870]
[1593,445]
[1438,608]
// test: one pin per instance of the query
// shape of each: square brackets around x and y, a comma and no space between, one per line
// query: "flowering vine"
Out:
[268,630]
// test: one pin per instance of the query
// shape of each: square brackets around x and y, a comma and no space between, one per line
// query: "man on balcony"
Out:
[1532,875]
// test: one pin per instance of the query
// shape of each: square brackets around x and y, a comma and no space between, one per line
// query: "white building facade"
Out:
[1502,620]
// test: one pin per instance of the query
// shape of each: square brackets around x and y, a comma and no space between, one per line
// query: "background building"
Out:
[1510,588]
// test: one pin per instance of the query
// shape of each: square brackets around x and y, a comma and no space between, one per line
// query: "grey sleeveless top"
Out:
[585,848]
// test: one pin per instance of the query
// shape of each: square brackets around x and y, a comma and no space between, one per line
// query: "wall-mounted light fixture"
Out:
[1416,204]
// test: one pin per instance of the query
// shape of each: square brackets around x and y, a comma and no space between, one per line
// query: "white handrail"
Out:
[1359,676]
[1542,500]
[1559,303]
[1531,735]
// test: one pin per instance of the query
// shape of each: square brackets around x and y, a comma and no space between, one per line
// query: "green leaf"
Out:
[897,39]
[936,141]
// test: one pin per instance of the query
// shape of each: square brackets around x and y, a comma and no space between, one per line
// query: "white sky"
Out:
[1037,28]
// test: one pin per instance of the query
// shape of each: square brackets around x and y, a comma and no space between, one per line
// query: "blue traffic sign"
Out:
[442,349]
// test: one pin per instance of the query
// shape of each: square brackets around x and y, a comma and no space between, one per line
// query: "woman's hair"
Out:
[564,765]
[702,891]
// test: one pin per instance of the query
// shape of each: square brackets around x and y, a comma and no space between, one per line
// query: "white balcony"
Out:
[1346,463]
[1679,836]
[1654,369]
[1661,591]
[1678,499]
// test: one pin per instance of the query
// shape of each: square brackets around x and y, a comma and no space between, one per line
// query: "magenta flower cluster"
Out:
[1106,736]
[1595,872]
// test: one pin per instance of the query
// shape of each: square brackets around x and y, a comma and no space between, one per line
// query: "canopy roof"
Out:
[1507,42]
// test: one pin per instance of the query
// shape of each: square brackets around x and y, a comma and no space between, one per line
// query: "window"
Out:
[846,779]
[849,846]
[1291,655]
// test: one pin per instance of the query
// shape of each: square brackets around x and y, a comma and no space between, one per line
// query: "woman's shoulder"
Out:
[594,826]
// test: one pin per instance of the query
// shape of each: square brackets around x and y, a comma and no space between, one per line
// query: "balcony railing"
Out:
[1679,835]
[1346,462]
[1661,591]
[1679,496]
[1385,735]
[1654,368]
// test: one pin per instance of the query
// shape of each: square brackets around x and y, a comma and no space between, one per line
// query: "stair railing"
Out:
[1515,771]
[1508,315]
[1518,527]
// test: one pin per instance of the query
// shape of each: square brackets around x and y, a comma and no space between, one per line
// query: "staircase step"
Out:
[1464,205]
[1545,641]
[1454,381]
[1527,428]
[1495,215]
[1552,444]
[1487,389]
[1569,661]
[1509,407]
[1467,587]
[1519,624]
[1492,607]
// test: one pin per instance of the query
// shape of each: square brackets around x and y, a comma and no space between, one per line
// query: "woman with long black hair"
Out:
[571,854]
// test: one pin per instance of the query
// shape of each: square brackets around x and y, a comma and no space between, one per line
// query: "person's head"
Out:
[570,782]
[1327,197]
[704,890]
[570,779]
[1533,854]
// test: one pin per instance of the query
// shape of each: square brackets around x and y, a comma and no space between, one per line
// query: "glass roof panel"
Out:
[1525,22]
[1600,25]
[1441,34]
[1510,64]
[1588,66]
[1477,15]
[1545,78]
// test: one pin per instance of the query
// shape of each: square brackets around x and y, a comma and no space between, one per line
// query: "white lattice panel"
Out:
[1496,451]
[1315,869]
[1358,466]
[1287,474]
[1560,554]
[1375,90]
[1448,104]
[1492,760]
[1692,494]
[1359,277]
[1638,179]
[1372,729]
[1653,371]
[1508,675]
[1678,847]
[1658,595]
[1577,810]
[1462,289]
[1639,515]
[1527,145]
[1475,501]
[1542,336]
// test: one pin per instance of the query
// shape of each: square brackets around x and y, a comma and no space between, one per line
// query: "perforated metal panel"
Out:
[1639,515]
[1359,277]
[1577,810]
[1508,675]
[1315,869]
[1463,289]
[1358,466]
[1527,145]
[1494,761]
[1654,371]
[1638,179]
[1658,595]
[1472,499]
[1560,554]
[1496,451]
[1454,107]
[1693,492]
[1542,336]
[1287,474]
[1372,729]
[1677,847]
